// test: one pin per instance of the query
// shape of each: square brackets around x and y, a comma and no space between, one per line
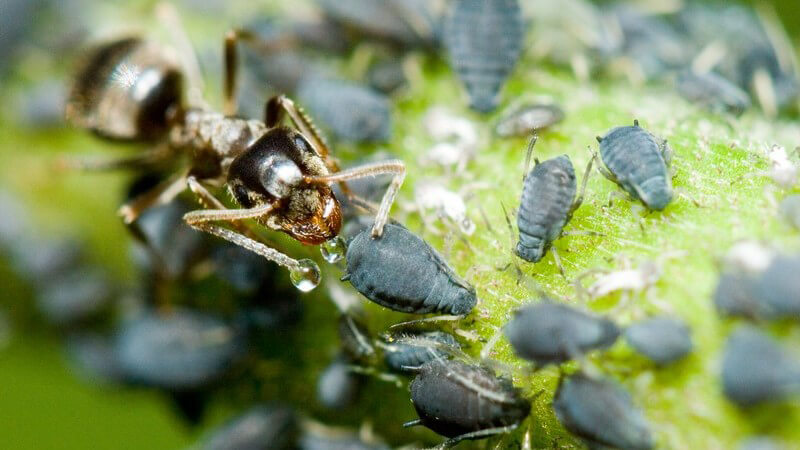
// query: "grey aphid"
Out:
[790,209]
[181,350]
[548,201]
[733,296]
[755,369]
[548,332]
[602,413]
[351,111]
[483,39]
[259,428]
[638,162]
[76,296]
[662,339]
[338,386]
[402,272]
[462,401]
[313,439]
[525,119]
[406,352]
[92,356]
[778,287]
[713,92]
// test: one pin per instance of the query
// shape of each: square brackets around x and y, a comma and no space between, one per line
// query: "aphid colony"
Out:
[286,179]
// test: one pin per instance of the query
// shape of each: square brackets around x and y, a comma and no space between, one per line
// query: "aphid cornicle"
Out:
[638,162]
[130,89]
[547,204]
[462,401]
[484,40]
[551,333]
[402,272]
[601,413]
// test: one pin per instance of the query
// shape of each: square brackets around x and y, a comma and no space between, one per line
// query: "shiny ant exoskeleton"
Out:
[130,89]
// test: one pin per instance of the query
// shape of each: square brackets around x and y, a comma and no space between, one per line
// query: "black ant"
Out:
[130,89]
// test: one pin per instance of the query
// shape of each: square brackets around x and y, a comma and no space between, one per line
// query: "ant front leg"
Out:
[163,193]
[395,167]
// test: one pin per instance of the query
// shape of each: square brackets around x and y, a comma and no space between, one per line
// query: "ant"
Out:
[130,89]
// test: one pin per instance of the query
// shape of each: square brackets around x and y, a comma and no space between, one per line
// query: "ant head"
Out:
[274,170]
[126,89]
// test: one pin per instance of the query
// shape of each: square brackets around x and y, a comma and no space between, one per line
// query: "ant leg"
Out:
[368,170]
[586,174]
[274,112]
[207,200]
[171,22]
[232,37]
[200,220]
[144,160]
[159,195]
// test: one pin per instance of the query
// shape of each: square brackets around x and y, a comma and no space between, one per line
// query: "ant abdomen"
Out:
[127,89]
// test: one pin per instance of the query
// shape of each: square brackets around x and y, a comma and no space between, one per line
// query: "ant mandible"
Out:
[131,90]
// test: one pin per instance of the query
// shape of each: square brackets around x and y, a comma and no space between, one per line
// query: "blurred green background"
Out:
[43,404]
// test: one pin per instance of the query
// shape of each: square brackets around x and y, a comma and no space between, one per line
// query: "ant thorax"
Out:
[208,135]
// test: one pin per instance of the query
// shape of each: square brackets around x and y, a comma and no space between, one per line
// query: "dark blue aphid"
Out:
[177,351]
[76,296]
[713,92]
[778,287]
[550,333]
[484,40]
[259,428]
[733,297]
[404,22]
[317,438]
[662,339]
[601,413]
[548,201]
[92,356]
[755,369]
[402,272]
[462,401]
[338,386]
[351,111]
[405,353]
[638,162]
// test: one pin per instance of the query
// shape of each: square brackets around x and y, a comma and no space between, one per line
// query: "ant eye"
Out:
[301,143]
[279,174]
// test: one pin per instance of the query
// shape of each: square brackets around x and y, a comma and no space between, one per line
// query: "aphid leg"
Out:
[412,423]
[579,199]
[489,346]
[765,92]
[200,220]
[163,193]
[529,153]
[475,435]
[171,21]
[615,194]
[443,318]
[144,160]
[383,376]
[557,259]
[396,168]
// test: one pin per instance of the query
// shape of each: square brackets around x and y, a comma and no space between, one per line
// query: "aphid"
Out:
[778,287]
[179,351]
[662,339]
[748,256]
[790,209]
[355,338]
[637,161]
[628,280]
[484,40]
[547,204]
[130,89]
[405,22]
[551,333]
[407,352]
[713,92]
[462,401]
[338,386]
[42,106]
[319,437]
[76,296]
[242,269]
[386,76]
[756,369]
[733,297]
[528,118]
[402,272]
[601,413]
[351,111]
[261,427]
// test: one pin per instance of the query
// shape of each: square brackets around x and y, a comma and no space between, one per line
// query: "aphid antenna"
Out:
[529,153]
[372,372]
[412,423]
[709,57]
[517,269]
[442,318]
[489,346]
[475,435]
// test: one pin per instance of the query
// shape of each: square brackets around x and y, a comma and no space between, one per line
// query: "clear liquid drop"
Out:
[333,250]
[306,277]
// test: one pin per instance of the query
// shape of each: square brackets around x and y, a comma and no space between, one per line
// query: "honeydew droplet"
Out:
[306,276]
[333,250]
